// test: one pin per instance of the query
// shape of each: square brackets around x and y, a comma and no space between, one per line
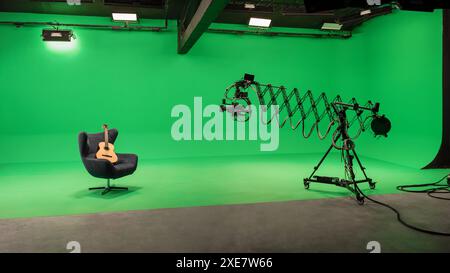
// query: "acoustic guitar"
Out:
[106,149]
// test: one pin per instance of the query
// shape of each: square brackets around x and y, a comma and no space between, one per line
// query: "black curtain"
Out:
[442,159]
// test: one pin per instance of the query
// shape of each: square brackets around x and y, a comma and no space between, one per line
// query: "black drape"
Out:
[442,159]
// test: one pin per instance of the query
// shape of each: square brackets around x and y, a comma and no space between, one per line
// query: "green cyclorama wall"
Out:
[131,80]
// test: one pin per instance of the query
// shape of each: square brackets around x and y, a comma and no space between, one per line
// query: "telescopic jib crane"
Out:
[300,108]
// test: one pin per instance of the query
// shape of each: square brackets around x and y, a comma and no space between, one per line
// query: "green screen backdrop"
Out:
[131,80]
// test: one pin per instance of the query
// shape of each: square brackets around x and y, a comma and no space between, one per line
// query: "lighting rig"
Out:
[336,111]
[57,35]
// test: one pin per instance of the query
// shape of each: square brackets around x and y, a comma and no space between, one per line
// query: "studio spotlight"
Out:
[57,35]
[332,26]
[125,17]
[259,22]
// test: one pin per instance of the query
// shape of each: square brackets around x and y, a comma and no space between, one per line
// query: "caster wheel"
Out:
[360,200]
[372,186]
[306,184]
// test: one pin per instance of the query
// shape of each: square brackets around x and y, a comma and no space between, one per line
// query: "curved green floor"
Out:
[49,189]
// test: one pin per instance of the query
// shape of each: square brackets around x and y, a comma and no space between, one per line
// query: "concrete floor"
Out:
[325,225]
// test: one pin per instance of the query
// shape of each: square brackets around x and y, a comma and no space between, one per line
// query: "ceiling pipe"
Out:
[338,35]
[93,26]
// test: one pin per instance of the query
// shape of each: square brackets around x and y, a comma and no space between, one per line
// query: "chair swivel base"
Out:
[108,188]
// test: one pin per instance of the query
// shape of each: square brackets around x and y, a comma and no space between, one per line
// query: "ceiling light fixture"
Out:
[124,17]
[366,12]
[332,26]
[259,22]
[249,6]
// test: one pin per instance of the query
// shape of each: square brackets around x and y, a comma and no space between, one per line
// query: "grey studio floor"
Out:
[326,225]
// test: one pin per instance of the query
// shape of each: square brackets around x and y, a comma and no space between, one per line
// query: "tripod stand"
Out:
[349,154]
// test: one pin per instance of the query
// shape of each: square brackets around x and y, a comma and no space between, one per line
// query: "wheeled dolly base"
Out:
[350,185]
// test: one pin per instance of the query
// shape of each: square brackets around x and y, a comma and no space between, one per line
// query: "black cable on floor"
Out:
[403,188]
[430,193]
[441,189]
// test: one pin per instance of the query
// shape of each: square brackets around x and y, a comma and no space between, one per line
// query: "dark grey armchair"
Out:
[101,168]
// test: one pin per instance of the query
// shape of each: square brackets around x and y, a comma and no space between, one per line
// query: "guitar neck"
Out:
[106,137]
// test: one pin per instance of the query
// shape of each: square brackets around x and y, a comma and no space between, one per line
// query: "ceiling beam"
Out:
[206,13]
[95,8]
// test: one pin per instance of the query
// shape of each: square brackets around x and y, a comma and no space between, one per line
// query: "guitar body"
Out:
[106,149]
[106,152]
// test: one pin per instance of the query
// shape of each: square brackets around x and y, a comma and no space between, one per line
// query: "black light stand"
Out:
[349,153]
